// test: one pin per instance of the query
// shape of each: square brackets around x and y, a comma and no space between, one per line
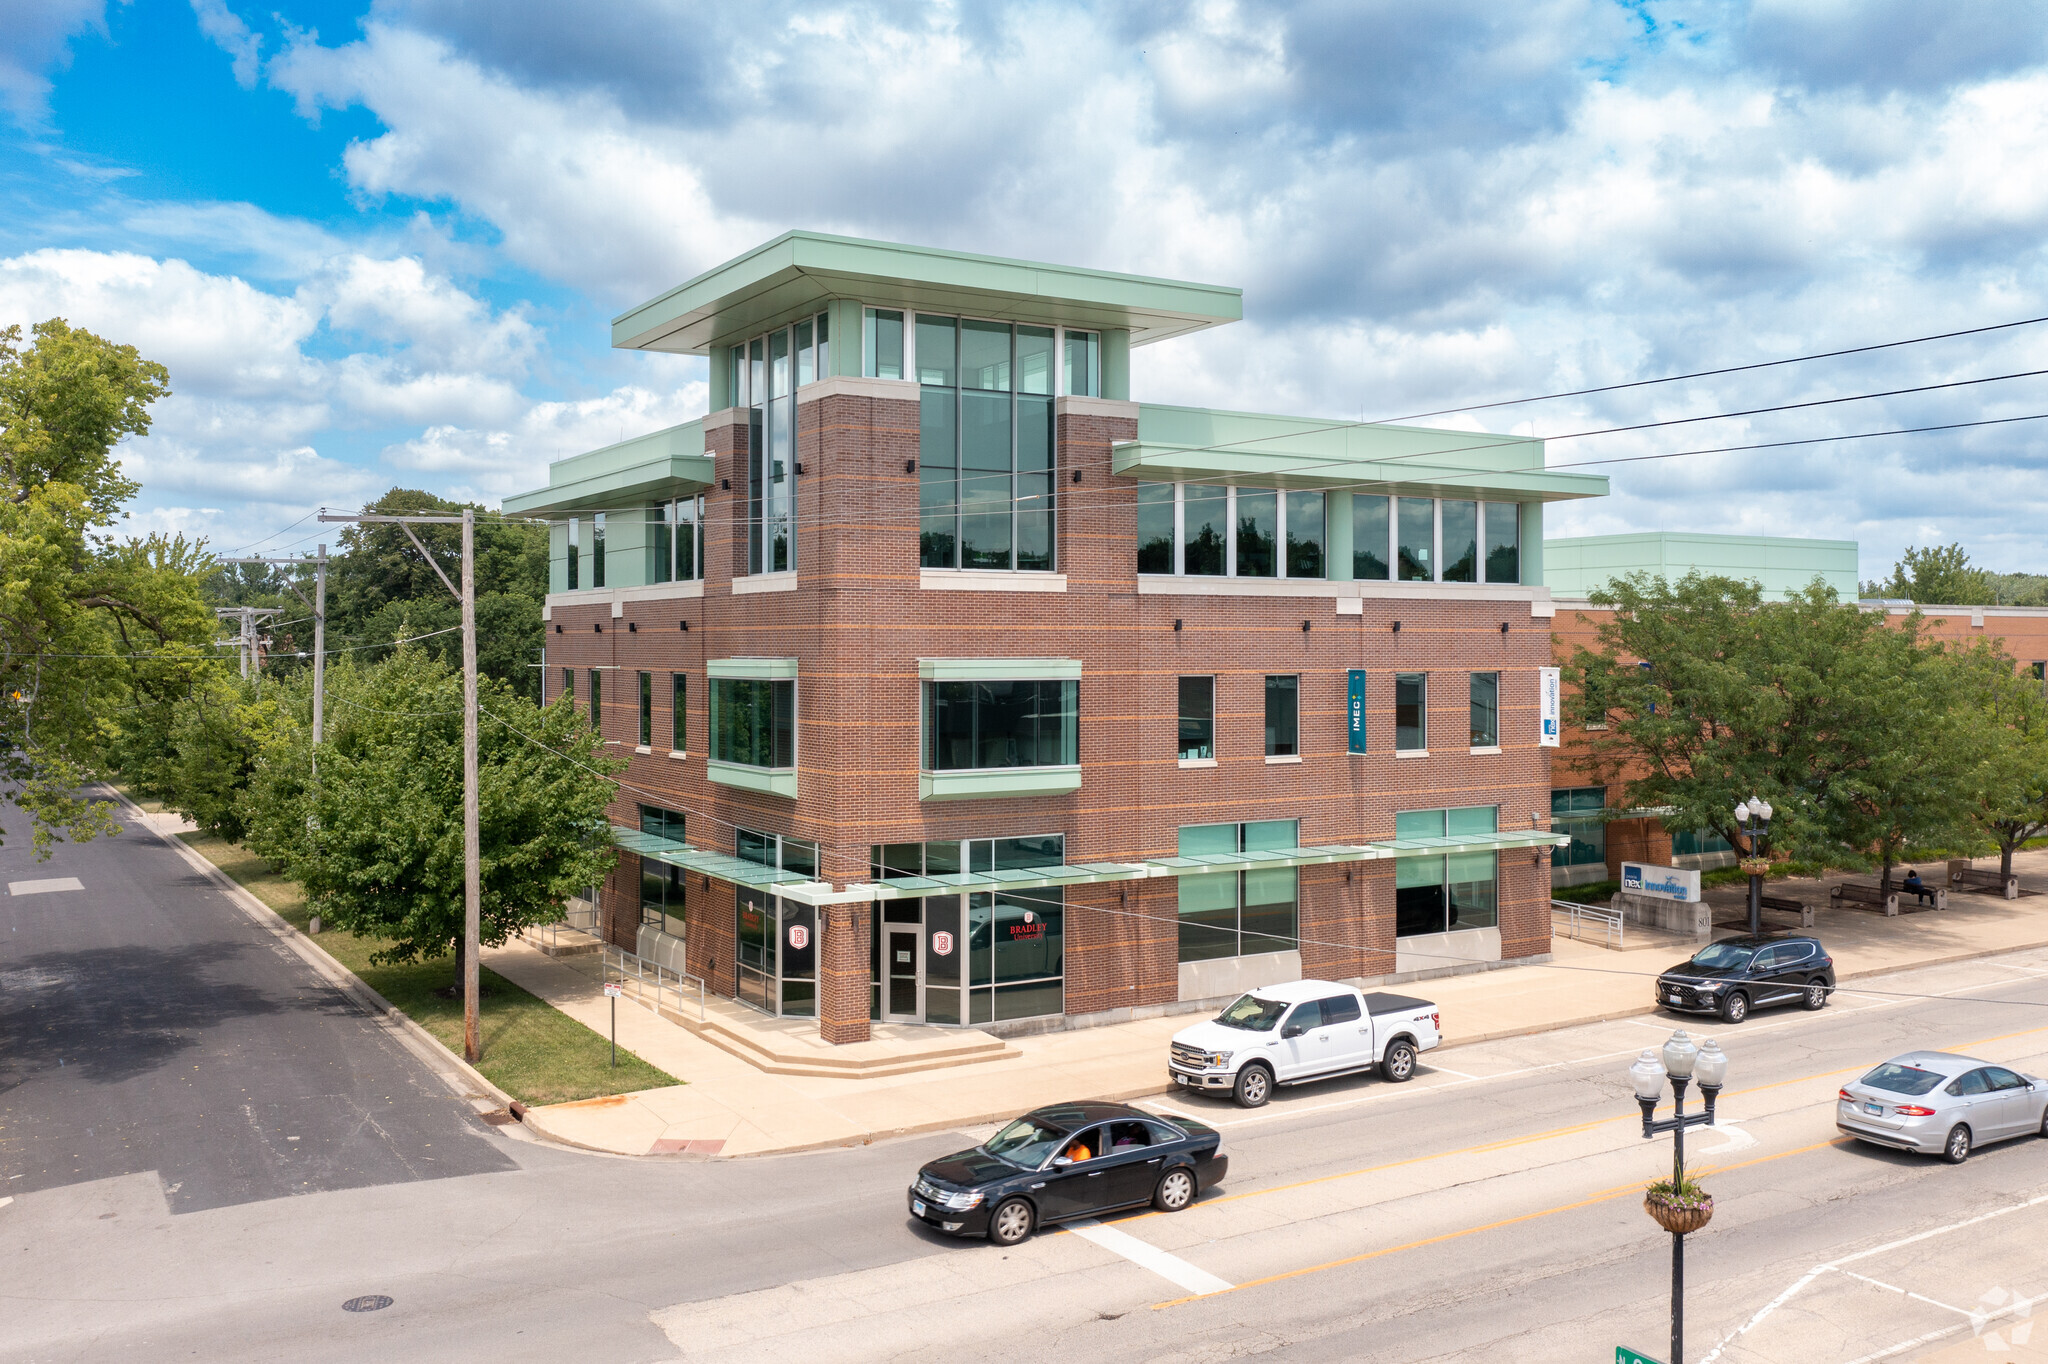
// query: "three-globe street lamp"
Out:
[1682,1063]
[1754,815]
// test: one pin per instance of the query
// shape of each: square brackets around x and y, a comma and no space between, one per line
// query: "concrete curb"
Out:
[463,1079]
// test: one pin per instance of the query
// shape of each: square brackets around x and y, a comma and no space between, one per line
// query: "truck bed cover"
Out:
[1377,1004]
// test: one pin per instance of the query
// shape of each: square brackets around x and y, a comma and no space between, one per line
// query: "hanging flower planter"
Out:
[1681,1208]
[1755,866]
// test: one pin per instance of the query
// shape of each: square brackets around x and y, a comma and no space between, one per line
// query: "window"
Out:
[1486,710]
[777,965]
[568,686]
[675,548]
[1417,549]
[1305,535]
[1340,1009]
[646,710]
[1238,913]
[1576,811]
[1197,719]
[574,527]
[1369,532]
[1695,842]
[1411,712]
[597,549]
[771,454]
[970,725]
[1155,528]
[2040,671]
[753,721]
[661,884]
[679,712]
[597,701]
[1283,717]
[1503,542]
[882,344]
[1199,531]
[1448,893]
[1015,941]
[985,444]
[1461,542]
[1084,364]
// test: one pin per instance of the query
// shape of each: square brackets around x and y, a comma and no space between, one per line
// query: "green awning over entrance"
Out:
[791,886]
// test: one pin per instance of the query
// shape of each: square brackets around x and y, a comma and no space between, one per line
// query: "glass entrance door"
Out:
[755,961]
[900,987]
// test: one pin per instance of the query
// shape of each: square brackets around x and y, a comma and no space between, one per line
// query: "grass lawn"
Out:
[532,1051]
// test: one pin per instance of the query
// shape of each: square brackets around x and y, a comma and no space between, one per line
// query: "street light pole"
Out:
[472,851]
[1682,1060]
[1754,816]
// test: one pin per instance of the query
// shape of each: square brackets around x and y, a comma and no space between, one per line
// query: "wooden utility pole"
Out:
[245,637]
[472,820]
[318,603]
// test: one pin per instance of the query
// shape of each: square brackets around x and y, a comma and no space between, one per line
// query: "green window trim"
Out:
[765,780]
[993,783]
[757,668]
[997,669]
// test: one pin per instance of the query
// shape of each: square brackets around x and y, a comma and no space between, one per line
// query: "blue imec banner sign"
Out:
[1355,709]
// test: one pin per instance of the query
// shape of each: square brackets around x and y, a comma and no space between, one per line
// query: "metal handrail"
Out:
[1612,922]
[633,966]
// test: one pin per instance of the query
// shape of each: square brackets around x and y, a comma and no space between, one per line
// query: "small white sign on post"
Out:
[1663,883]
[614,988]
[1550,706]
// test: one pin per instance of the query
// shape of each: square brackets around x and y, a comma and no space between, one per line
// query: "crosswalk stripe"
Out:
[1169,1267]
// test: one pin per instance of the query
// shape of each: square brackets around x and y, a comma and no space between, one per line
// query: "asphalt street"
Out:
[148,1025]
[1491,1210]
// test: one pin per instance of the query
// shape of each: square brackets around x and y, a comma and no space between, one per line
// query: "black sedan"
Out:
[1067,1161]
[1735,975]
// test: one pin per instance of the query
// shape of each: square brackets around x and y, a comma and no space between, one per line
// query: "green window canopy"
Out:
[790,885]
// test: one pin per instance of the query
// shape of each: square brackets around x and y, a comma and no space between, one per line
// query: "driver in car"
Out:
[1079,1151]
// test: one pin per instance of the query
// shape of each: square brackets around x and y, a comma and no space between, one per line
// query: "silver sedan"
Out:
[1940,1104]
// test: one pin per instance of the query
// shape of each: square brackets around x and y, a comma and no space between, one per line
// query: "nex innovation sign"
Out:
[1663,883]
[1549,706]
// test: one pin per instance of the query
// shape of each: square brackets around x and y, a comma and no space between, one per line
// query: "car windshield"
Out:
[1252,1014]
[1723,956]
[1897,1079]
[1024,1142]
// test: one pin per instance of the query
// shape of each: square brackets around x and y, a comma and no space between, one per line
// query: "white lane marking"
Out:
[1431,1065]
[1738,1140]
[5,1201]
[1171,1268]
[1903,1292]
[1835,1265]
[54,883]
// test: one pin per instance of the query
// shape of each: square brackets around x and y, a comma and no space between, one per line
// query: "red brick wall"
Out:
[859,624]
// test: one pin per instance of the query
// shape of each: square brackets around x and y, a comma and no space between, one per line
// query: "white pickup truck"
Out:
[1301,1031]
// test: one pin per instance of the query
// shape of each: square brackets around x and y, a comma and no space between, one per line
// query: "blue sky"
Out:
[380,244]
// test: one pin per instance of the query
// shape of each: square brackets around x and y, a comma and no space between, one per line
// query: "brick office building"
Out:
[959,688]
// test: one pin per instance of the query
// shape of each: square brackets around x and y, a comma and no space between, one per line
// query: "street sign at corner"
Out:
[1624,1355]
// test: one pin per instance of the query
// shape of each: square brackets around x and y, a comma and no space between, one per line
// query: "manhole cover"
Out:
[369,1302]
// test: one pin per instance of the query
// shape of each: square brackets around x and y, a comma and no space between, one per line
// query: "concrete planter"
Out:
[1677,1218]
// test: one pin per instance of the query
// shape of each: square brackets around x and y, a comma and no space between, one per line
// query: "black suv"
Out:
[1734,975]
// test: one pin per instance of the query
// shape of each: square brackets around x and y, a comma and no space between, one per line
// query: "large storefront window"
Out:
[766,373]
[675,543]
[1238,913]
[1420,539]
[1446,894]
[969,725]
[661,885]
[1576,811]
[776,940]
[974,958]
[753,721]
[985,444]
[1198,531]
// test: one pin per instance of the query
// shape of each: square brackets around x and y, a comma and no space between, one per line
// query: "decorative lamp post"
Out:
[1754,815]
[1678,1205]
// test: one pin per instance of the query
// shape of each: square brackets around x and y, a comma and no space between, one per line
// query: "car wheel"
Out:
[2044,1122]
[1816,994]
[1011,1222]
[1735,1008]
[1176,1190]
[1254,1086]
[1958,1148]
[1399,1063]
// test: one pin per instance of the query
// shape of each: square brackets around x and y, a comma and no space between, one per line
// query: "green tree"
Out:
[1851,727]
[1940,577]
[84,618]
[376,840]
[2013,716]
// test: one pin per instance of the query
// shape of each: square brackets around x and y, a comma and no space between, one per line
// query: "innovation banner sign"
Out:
[1549,706]
[1354,708]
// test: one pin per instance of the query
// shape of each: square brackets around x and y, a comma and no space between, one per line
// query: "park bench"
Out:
[1785,904]
[1851,894]
[1983,880]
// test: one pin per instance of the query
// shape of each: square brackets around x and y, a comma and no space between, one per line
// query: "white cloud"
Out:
[34,39]
[226,30]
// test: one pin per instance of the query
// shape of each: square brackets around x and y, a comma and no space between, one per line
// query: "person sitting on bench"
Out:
[1921,893]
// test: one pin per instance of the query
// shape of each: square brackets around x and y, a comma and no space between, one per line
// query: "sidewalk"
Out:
[731,1108]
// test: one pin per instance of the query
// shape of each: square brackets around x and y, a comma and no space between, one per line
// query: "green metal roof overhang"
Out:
[666,463]
[789,885]
[793,274]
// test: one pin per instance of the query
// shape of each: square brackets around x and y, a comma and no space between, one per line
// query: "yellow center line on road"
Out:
[1604,1196]
[1508,1142]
